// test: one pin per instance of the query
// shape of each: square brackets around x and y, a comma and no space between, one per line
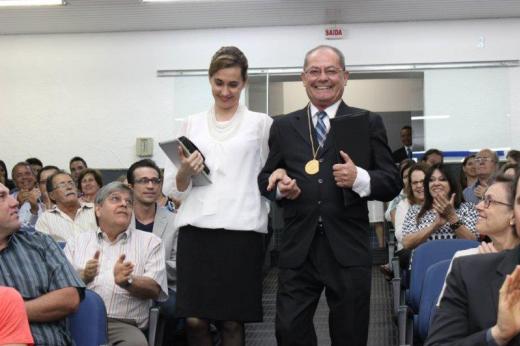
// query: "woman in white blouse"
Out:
[443,215]
[221,225]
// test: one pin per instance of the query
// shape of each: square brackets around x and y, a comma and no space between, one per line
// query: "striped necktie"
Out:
[321,128]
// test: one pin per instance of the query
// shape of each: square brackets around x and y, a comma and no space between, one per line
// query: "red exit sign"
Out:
[334,33]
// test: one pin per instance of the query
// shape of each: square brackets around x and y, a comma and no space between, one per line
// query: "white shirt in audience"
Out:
[61,227]
[145,250]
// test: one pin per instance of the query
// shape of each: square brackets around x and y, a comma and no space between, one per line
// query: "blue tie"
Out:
[321,129]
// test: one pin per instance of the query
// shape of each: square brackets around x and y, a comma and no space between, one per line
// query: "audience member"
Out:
[414,187]
[433,157]
[221,226]
[404,152]
[144,177]
[487,161]
[26,193]
[509,169]
[125,266]
[481,303]
[14,324]
[513,156]
[41,178]
[3,172]
[33,264]
[443,215]
[69,217]
[468,171]
[36,165]
[76,166]
[390,210]
[89,182]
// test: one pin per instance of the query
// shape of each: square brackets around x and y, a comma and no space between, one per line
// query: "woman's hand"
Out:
[190,165]
[446,207]
[486,248]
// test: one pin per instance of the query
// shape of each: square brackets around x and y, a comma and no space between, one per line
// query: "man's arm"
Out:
[53,306]
[450,324]
[144,287]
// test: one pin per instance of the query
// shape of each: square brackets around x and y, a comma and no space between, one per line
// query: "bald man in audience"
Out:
[125,266]
[33,264]
[70,216]
[487,164]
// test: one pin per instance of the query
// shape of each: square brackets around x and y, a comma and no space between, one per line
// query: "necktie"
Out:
[409,152]
[321,128]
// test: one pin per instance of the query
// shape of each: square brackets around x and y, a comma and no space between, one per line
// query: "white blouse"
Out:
[235,152]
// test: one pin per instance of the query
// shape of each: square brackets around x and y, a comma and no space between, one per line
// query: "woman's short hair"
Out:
[227,57]
[95,173]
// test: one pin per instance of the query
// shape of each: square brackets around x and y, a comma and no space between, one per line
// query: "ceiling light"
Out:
[12,3]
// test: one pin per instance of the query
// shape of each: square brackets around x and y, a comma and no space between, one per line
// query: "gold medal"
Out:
[312,167]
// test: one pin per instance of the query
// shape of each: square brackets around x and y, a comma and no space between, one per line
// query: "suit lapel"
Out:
[506,266]
[159,225]
[301,125]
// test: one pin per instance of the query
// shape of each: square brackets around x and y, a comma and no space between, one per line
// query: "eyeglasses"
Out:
[64,185]
[479,159]
[488,200]
[146,181]
[117,199]
[331,72]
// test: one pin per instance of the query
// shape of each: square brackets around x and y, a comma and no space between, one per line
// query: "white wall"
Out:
[93,94]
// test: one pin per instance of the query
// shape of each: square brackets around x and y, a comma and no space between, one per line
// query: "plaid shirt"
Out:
[34,265]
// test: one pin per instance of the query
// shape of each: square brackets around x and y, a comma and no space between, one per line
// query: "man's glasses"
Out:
[64,185]
[146,181]
[331,72]
[488,200]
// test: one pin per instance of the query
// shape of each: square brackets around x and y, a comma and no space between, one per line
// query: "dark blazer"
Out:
[346,228]
[470,302]
[399,155]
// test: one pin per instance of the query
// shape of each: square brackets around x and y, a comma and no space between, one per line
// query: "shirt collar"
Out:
[331,110]
[82,206]
[121,236]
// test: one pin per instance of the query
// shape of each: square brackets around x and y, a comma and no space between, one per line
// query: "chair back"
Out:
[88,325]
[427,254]
[433,283]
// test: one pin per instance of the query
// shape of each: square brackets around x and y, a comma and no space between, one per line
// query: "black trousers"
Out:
[347,290]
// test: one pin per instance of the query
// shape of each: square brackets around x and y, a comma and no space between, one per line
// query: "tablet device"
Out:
[170,149]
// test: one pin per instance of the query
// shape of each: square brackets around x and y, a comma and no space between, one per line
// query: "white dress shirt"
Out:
[61,227]
[145,250]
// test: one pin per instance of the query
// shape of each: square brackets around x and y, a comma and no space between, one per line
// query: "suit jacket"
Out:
[164,229]
[400,155]
[470,303]
[346,228]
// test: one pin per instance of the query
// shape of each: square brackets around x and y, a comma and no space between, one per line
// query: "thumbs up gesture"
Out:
[345,174]
[122,271]
[91,268]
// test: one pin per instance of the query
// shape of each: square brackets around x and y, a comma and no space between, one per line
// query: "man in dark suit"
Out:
[404,152]
[325,242]
[481,303]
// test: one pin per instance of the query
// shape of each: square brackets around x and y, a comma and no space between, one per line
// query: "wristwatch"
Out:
[128,283]
[456,225]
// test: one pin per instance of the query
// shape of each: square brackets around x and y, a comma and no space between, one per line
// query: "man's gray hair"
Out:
[340,55]
[107,190]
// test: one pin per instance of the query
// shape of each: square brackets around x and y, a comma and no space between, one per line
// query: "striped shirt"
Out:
[61,227]
[144,250]
[34,265]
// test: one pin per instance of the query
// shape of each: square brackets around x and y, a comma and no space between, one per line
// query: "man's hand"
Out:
[481,190]
[91,268]
[287,187]
[122,271]
[32,198]
[508,319]
[345,174]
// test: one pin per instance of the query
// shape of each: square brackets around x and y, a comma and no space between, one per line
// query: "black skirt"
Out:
[219,274]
